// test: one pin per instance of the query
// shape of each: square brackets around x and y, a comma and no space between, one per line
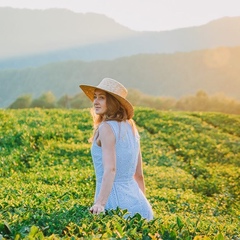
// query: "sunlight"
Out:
[217,58]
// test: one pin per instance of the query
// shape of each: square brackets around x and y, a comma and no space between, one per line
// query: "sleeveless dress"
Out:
[125,192]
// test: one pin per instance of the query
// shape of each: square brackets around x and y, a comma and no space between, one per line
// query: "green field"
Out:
[191,166]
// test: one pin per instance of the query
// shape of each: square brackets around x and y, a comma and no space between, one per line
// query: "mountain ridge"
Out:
[54,29]
[97,37]
[171,75]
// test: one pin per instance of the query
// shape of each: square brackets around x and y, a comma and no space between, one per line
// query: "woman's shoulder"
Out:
[105,128]
[118,125]
[112,123]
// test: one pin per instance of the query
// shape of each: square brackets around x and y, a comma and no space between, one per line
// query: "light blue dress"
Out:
[125,192]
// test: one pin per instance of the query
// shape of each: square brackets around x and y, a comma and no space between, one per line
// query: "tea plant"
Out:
[191,166]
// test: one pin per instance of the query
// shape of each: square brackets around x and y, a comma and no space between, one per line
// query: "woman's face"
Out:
[100,102]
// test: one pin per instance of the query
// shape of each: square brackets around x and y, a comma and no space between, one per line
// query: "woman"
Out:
[116,151]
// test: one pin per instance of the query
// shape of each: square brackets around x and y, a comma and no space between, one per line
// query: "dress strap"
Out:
[115,127]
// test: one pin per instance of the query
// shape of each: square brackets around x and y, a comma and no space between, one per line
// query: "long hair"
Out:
[115,111]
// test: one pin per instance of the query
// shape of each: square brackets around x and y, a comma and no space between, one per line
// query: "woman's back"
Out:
[125,192]
[127,149]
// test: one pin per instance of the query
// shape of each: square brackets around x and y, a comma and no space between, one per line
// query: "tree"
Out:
[80,101]
[47,100]
[22,102]
[64,102]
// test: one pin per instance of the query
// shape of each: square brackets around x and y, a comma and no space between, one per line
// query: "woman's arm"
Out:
[107,138]
[138,176]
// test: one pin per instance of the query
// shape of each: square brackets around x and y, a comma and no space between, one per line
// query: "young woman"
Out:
[116,151]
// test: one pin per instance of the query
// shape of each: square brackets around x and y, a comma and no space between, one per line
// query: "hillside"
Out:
[54,35]
[172,75]
[40,31]
[191,167]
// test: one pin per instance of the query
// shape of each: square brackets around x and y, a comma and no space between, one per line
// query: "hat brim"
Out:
[89,91]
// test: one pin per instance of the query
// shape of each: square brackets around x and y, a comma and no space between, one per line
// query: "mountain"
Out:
[26,31]
[174,75]
[38,37]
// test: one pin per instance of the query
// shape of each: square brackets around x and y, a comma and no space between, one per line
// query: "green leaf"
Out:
[180,223]
[33,231]
[219,237]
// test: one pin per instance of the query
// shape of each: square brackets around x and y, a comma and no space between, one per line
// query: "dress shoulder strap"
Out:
[121,129]
[115,127]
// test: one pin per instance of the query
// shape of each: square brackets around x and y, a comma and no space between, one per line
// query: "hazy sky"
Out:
[143,15]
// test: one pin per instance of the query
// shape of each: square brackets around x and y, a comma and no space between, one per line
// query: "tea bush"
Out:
[191,167]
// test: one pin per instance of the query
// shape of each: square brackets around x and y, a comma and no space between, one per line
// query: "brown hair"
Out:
[115,111]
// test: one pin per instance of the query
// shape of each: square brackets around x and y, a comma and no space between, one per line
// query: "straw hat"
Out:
[112,87]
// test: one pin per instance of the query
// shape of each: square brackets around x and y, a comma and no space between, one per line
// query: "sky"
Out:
[143,15]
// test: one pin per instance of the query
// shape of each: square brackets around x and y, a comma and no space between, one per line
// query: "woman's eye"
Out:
[99,97]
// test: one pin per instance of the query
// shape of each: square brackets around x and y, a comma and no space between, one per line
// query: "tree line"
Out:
[176,75]
[201,101]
